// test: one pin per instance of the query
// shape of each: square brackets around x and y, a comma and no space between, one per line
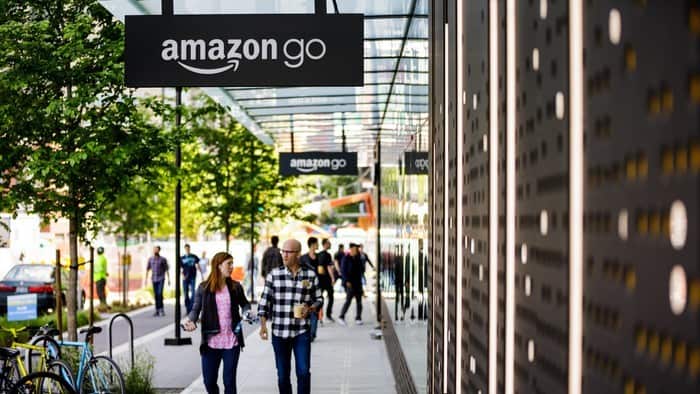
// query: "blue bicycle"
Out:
[96,374]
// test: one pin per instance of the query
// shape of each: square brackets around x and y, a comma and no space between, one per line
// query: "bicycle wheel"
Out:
[48,343]
[61,368]
[102,376]
[10,375]
[42,383]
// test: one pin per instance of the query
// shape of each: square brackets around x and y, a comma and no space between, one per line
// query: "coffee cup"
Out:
[298,311]
[321,270]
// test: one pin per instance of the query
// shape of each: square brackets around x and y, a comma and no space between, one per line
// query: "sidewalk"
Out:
[343,360]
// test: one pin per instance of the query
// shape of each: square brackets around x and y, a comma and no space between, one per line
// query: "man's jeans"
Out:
[158,294]
[211,358]
[301,346]
[188,289]
[329,297]
[350,294]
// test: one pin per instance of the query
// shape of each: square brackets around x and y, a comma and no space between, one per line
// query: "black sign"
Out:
[318,163]
[416,163]
[244,50]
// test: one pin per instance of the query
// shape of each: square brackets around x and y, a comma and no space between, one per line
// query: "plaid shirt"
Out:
[159,266]
[282,291]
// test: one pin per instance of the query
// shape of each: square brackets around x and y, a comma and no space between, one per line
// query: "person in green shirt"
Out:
[100,275]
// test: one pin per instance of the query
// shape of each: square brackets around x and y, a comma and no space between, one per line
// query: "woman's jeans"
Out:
[301,346]
[211,358]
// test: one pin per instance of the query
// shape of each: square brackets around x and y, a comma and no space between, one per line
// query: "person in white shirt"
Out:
[203,263]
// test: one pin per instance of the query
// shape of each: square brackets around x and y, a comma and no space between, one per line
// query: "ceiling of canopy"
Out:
[393,100]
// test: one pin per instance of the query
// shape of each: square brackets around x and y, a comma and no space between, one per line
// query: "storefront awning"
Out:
[393,100]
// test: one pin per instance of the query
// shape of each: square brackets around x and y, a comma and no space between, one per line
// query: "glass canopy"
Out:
[392,103]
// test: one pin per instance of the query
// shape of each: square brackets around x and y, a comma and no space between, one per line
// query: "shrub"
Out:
[34,325]
[139,379]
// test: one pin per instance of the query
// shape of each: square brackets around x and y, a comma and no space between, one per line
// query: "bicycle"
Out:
[96,374]
[33,383]
[47,361]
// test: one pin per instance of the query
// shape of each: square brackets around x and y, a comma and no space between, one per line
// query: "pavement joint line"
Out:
[140,341]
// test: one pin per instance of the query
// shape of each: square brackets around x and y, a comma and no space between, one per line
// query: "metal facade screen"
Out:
[244,50]
[318,163]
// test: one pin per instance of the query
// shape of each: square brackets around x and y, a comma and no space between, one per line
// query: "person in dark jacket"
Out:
[221,300]
[352,271]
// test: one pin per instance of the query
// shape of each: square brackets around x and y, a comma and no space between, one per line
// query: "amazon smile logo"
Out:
[312,165]
[227,54]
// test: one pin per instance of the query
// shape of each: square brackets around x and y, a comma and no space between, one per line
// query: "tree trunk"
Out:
[227,234]
[71,295]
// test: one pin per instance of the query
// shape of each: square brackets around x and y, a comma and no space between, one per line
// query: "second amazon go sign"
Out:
[244,50]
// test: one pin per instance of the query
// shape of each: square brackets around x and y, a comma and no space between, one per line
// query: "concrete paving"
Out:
[344,359]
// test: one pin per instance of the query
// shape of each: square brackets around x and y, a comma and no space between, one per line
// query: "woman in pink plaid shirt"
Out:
[221,301]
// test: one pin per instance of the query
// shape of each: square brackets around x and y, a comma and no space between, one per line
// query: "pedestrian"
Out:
[100,277]
[353,270]
[189,264]
[337,260]
[311,260]
[326,275]
[203,265]
[364,258]
[271,258]
[221,302]
[291,294]
[158,266]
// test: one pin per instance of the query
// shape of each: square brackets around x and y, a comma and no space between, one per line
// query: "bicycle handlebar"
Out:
[13,331]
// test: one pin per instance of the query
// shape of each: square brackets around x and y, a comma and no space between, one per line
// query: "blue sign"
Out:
[21,307]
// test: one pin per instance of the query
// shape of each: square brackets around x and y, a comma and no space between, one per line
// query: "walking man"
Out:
[291,294]
[311,260]
[326,275]
[353,270]
[271,258]
[158,266]
[190,265]
[337,260]
[100,276]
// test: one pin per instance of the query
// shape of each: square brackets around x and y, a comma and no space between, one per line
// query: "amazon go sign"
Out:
[244,50]
[416,163]
[318,163]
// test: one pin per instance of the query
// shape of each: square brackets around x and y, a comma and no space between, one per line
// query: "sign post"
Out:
[241,50]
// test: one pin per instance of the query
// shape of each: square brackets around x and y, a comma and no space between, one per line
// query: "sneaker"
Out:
[342,322]
[358,322]
[330,319]
[156,314]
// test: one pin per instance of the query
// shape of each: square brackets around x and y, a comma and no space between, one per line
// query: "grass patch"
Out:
[117,306]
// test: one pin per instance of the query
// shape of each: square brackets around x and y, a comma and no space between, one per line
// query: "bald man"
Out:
[292,285]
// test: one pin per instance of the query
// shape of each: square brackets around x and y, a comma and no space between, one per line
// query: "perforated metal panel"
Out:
[641,325]
[642,154]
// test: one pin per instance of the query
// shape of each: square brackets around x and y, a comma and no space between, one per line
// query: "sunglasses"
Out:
[289,251]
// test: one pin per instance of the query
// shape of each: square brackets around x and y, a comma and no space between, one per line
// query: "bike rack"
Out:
[131,335]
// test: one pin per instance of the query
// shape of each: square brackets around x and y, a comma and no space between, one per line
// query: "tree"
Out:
[233,174]
[79,136]
[131,212]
